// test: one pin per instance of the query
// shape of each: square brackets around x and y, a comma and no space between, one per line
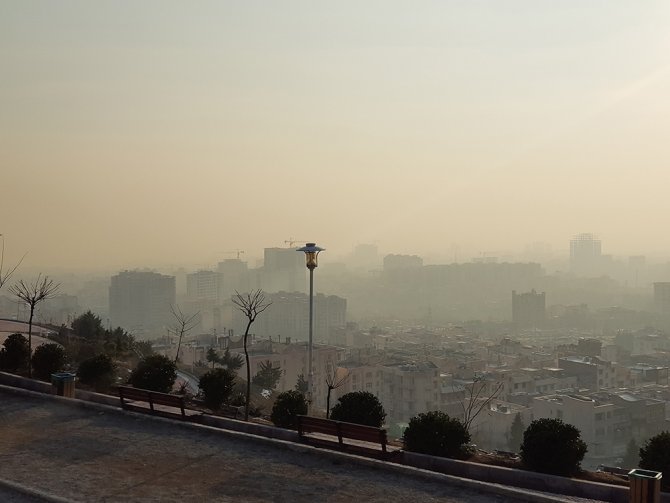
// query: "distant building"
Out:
[528,309]
[284,270]
[392,262]
[140,300]
[405,389]
[596,374]
[203,285]
[235,277]
[585,254]
[606,421]
[589,346]
[637,266]
[288,316]
[662,296]
[59,309]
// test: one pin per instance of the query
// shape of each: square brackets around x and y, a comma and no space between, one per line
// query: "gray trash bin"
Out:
[62,384]
[645,486]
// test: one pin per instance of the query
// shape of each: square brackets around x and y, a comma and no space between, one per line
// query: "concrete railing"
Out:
[520,478]
[45,387]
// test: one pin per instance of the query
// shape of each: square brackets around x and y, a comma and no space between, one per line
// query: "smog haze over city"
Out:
[151,134]
[489,180]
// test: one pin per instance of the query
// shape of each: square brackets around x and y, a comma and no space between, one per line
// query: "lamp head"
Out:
[311,255]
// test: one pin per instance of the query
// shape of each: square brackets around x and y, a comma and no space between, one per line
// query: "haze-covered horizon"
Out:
[154,133]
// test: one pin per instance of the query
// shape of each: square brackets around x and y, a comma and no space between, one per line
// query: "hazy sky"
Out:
[145,133]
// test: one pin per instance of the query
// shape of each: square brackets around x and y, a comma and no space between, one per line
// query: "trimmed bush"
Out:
[98,372]
[360,407]
[217,386]
[156,373]
[655,455]
[436,434]
[287,407]
[48,359]
[15,354]
[552,446]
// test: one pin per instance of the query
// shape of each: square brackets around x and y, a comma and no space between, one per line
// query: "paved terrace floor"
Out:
[88,455]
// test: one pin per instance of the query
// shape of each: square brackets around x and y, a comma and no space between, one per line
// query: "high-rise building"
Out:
[284,270]
[203,285]
[234,277]
[585,254]
[141,301]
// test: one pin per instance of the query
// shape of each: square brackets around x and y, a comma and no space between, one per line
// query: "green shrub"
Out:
[287,407]
[217,386]
[655,455]
[98,372]
[15,354]
[436,434]
[154,372]
[552,446]
[361,407]
[268,376]
[48,359]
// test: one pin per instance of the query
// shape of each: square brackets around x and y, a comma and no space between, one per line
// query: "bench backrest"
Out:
[318,425]
[153,397]
[167,399]
[341,429]
[130,393]
[362,432]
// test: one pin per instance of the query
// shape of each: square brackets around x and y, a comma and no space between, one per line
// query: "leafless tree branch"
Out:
[251,305]
[32,294]
[476,401]
[5,276]
[184,324]
[333,382]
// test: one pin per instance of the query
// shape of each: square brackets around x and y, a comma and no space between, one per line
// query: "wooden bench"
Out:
[130,396]
[308,425]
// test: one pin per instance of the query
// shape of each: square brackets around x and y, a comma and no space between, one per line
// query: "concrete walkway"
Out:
[83,454]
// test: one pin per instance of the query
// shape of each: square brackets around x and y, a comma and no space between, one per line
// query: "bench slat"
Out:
[151,397]
[308,424]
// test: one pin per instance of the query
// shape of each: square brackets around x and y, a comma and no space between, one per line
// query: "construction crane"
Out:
[292,241]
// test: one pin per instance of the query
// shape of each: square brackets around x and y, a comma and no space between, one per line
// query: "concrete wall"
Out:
[522,478]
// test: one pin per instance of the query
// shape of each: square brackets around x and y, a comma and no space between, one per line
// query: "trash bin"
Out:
[645,486]
[62,384]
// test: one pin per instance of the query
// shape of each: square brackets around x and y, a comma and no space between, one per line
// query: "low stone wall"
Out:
[25,383]
[45,387]
[522,478]
[251,428]
[90,396]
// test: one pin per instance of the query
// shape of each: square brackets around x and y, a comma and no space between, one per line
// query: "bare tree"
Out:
[5,275]
[333,381]
[477,397]
[184,324]
[32,294]
[251,305]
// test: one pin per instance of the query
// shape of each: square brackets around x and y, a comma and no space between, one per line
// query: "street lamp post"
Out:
[311,258]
